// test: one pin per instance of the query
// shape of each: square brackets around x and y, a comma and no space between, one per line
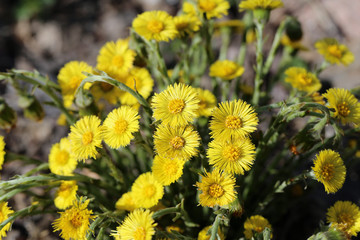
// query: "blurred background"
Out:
[46,34]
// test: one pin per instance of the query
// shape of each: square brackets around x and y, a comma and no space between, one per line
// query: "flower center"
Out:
[155,26]
[106,87]
[335,51]
[75,81]
[233,122]
[118,61]
[62,157]
[216,190]
[120,126]
[87,138]
[149,191]
[140,233]
[206,5]
[345,221]
[343,109]
[176,106]
[305,79]
[76,220]
[231,153]
[327,171]
[229,69]
[177,142]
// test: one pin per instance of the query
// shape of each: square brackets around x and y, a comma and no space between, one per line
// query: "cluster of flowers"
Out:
[169,127]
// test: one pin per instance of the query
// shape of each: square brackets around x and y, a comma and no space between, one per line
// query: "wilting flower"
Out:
[255,224]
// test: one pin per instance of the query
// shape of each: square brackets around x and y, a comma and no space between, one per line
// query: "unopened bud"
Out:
[7,116]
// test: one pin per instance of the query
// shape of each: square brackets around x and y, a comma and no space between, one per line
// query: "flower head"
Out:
[260,4]
[176,106]
[345,216]
[126,202]
[66,194]
[61,159]
[187,24]
[115,58]
[5,211]
[203,234]
[329,169]
[106,91]
[179,142]
[255,224]
[167,170]
[235,119]
[226,70]
[138,225]
[2,151]
[334,52]
[347,107]
[216,189]
[70,77]
[213,8]
[74,222]
[207,102]
[119,126]
[234,157]
[157,25]
[302,80]
[85,136]
[147,191]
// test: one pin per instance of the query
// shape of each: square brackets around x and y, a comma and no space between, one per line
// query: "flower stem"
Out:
[215,226]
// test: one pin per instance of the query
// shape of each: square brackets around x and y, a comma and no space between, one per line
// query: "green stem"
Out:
[215,226]
[322,67]
[162,212]
[225,37]
[161,64]
[10,156]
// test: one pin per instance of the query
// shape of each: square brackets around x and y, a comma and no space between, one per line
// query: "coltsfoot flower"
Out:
[179,142]
[85,136]
[217,189]
[176,106]
[345,216]
[334,52]
[207,102]
[5,211]
[2,151]
[203,234]
[255,224]
[226,69]
[74,222]
[126,202]
[260,4]
[66,194]
[138,225]
[61,159]
[106,91]
[167,170]
[213,8]
[155,25]
[329,169]
[235,119]
[346,105]
[302,80]
[119,126]
[187,24]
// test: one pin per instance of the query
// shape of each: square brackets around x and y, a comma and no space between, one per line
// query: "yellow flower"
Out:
[157,25]
[115,58]
[126,202]
[217,189]
[226,69]
[119,126]
[5,211]
[167,170]
[176,106]
[302,80]
[255,224]
[138,225]
[179,142]
[189,8]
[66,194]
[187,24]
[70,77]
[61,121]
[236,25]
[286,41]
[334,52]
[106,91]
[203,234]
[329,169]
[140,80]
[213,8]
[85,136]
[61,160]
[234,157]
[347,107]
[345,216]
[74,222]
[260,4]
[235,119]
[207,102]
[2,151]
[147,191]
